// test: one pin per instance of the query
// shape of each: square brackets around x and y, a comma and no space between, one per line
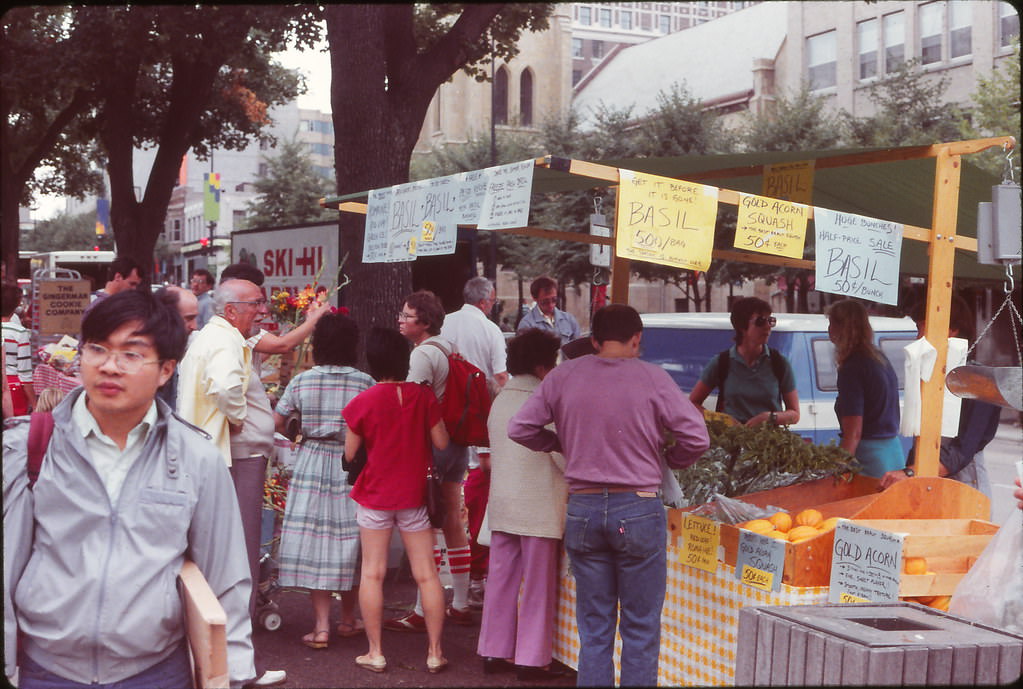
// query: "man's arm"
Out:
[17,532]
[527,426]
[683,420]
[224,379]
[217,546]
[281,344]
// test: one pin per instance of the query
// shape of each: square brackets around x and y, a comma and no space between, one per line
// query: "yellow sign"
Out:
[700,539]
[790,181]
[429,229]
[666,221]
[849,598]
[771,226]
[757,578]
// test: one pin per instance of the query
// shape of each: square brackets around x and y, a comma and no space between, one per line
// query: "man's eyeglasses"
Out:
[127,361]
[257,302]
[402,316]
[761,321]
[548,300]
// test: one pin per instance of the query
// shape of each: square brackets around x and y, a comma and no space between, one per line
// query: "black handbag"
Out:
[434,497]
[355,465]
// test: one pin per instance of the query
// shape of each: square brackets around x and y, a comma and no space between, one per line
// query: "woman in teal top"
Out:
[755,381]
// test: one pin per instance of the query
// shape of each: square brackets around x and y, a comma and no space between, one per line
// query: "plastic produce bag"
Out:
[732,511]
[992,591]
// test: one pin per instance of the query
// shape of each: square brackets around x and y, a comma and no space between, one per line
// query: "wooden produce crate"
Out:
[951,546]
[808,563]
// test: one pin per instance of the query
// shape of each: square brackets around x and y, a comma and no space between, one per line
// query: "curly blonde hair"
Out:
[850,330]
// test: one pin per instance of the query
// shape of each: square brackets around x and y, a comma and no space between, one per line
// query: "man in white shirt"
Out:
[482,344]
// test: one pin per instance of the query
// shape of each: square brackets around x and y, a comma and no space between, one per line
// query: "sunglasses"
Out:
[761,321]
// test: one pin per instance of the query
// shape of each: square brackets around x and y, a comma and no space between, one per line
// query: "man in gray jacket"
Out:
[126,489]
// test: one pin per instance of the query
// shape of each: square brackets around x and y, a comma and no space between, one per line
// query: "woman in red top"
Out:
[397,421]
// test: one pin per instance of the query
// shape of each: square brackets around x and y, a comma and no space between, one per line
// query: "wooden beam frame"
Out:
[941,238]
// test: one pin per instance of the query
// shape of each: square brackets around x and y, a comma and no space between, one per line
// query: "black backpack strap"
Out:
[724,359]
[40,430]
[778,366]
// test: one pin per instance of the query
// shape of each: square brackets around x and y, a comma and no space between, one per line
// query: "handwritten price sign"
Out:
[771,226]
[858,256]
[666,221]
[701,537]
[789,181]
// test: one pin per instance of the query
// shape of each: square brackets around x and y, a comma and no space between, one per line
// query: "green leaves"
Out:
[743,460]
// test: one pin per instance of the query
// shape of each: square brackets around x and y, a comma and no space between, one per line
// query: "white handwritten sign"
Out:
[761,561]
[472,189]
[437,213]
[506,203]
[858,256]
[866,564]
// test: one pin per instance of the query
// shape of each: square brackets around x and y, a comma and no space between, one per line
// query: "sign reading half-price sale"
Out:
[664,220]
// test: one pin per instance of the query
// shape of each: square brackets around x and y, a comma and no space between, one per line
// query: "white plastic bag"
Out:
[992,591]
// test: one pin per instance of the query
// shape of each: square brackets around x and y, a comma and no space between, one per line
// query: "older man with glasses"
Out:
[213,394]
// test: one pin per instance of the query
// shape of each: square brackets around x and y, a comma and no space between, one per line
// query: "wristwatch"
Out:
[908,472]
[774,418]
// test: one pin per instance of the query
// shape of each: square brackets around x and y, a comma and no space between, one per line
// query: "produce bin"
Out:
[699,622]
[868,644]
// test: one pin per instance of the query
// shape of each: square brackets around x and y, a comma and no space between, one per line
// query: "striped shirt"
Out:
[17,351]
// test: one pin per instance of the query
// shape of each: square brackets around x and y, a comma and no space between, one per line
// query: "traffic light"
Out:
[204,242]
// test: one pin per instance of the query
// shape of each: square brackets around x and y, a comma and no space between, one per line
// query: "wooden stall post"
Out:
[941,252]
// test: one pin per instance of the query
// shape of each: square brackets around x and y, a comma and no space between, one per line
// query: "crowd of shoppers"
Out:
[576,458]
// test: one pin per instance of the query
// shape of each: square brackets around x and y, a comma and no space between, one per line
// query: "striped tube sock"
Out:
[459,559]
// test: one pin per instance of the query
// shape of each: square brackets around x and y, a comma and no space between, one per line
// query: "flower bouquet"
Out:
[275,489]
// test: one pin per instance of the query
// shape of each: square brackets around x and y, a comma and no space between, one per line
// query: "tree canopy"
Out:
[290,191]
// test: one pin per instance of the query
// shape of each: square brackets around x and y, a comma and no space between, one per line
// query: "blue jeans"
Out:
[174,672]
[617,545]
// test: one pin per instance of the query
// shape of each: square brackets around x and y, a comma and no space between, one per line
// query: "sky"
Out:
[313,64]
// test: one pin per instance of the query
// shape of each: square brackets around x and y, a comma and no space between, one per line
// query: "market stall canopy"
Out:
[895,190]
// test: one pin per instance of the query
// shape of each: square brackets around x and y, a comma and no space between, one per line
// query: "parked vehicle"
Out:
[683,343]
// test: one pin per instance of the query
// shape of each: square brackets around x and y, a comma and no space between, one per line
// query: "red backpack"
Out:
[466,403]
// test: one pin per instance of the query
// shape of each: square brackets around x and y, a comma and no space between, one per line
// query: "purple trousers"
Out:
[524,632]
[249,475]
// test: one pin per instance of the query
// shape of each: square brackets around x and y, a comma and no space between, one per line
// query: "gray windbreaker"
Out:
[93,586]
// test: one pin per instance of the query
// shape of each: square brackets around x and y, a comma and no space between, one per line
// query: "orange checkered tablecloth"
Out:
[699,621]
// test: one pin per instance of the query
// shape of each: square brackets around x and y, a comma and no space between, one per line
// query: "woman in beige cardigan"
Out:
[527,520]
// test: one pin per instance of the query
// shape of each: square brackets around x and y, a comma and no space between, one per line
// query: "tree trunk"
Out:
[380,91]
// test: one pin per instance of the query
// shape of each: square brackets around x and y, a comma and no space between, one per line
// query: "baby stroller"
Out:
[268,614]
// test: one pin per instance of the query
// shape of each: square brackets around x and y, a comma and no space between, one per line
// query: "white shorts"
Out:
[411,519]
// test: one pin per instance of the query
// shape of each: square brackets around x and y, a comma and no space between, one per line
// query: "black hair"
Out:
[11,299]
[335,340]
[242,271]
[960,316]
[168,296]
[743,310]
[541,284]
[123,265]
[206,275]
[158,320]
[531,348]
[429,310]
[618,322]
[387,352]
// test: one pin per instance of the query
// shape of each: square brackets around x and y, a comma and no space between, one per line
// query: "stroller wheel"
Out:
[270,620]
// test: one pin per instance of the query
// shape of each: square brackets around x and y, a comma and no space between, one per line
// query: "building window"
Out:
[526,98]
[176,231]
[626,20]
[237,219]
[866,34]
[894,41]
[584,16]
[598,49]
[664,23]
[930,33]
[1008,24]
[820,52]
[960,27]
[605,18]
[577,47]
[500,97]
[263,171]
[577,75]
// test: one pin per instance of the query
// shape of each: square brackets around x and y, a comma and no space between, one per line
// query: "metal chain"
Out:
[1015,335]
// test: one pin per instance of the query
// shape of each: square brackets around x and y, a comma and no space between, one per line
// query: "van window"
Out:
[683,353]
[892,347]
[827,372]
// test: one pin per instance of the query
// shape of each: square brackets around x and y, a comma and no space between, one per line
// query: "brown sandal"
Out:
[312,639]
[348,629]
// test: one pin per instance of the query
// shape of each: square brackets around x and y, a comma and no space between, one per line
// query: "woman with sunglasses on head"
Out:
[755,384]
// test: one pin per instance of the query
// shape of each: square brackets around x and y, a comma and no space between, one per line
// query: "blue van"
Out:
[683,343]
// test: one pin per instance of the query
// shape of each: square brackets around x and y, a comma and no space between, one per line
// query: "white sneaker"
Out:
[271,678]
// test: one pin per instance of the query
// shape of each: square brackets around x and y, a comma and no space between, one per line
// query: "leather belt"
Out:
[609,491]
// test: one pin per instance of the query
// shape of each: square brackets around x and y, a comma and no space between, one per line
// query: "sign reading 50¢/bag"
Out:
[666,221]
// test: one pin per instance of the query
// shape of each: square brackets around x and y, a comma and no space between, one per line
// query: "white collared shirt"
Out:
[111,462]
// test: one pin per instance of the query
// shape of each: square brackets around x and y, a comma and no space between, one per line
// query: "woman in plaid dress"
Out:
[319,546]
